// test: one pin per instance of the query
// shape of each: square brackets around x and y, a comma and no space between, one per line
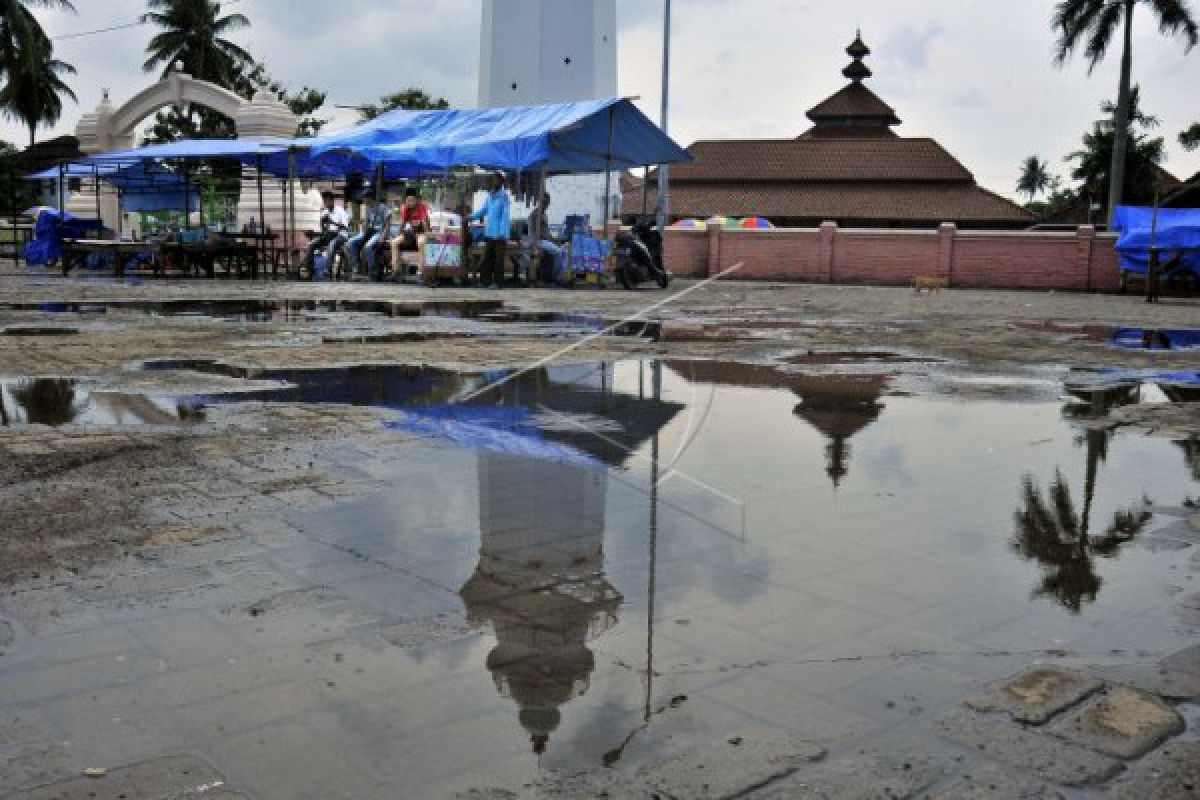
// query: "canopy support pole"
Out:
[291,234]
[646,190]
[608,162]
[96,189]
[14,200]
[62,204]
[663,180]
[260,244]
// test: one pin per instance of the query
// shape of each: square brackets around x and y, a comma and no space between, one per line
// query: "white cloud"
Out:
[981,82]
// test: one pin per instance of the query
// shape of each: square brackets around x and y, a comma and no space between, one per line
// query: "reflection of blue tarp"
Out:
[564,137]
[499,429]
[1175,230]
[1137,339]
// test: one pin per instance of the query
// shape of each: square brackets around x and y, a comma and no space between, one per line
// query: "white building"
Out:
[552,51]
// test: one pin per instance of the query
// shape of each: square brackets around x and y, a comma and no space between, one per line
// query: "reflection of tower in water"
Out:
[540,581]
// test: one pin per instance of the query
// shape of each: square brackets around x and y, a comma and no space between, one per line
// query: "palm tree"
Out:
[1092,25]
[193,34]
[20,29]
[1035,177]
[34,91]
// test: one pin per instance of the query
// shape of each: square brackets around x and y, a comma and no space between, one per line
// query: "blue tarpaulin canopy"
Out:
[590,136]
[144,185]
[1169,230]
[190,149]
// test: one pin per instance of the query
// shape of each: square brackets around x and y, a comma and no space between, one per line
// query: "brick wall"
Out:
[1080,260]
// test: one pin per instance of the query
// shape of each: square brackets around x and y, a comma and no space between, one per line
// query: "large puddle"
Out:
[629,553]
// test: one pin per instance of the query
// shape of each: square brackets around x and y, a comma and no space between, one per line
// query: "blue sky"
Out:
[976,74]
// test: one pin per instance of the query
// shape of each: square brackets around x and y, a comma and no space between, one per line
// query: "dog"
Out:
[929,283]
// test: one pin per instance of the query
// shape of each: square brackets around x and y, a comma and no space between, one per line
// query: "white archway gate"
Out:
[108,128]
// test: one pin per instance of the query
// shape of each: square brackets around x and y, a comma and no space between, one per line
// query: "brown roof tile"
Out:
[853,100]
[820,159]
[845,202]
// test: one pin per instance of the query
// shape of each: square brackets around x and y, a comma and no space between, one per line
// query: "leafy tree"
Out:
[1190,139]
[1091,25]
[412,99]
[20,32]
[304,103]
[1035,177]
[194,35]
[1093,161]
[34,90]
[33,87]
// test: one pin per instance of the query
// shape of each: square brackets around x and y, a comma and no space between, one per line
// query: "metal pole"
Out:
[608,158]
[260,243]
[96,188]
[663,180]
[62,204]
[1152,267]
[291,206]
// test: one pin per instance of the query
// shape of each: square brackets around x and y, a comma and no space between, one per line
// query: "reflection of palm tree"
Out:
[1053,533]
[1191,452]
[47,401]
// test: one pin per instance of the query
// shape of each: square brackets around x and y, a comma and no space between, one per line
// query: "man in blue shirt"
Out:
[496,215]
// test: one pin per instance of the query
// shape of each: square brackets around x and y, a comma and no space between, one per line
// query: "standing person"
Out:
[496,215]
[414,221]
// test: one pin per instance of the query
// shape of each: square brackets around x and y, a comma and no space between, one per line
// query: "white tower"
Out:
[552,51]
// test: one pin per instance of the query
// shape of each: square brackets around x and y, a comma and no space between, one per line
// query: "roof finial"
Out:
[857,71]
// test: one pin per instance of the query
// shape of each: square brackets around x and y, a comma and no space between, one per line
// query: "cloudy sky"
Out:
[976,74]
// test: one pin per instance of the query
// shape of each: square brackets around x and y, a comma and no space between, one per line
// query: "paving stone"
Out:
[1185,660]
[144,584]
[1120,721]
[990,782]
[1045,757]
[1171,774]
[1172,684]
[745,761]
[167,778]
[1037,694]
[868,776]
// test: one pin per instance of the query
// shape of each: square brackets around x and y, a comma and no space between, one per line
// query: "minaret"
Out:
[552,51]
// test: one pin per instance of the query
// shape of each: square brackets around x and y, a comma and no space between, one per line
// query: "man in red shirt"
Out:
[413,221]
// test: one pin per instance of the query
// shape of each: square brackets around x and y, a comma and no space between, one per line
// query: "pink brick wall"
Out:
[1080,260]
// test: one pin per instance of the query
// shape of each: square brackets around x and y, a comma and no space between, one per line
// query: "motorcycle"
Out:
[640,256]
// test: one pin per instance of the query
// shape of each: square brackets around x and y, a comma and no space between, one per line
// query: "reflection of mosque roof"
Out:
[838,406]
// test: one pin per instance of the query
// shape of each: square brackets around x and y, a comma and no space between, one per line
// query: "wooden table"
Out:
[207,256]
[75,251]
[264,243]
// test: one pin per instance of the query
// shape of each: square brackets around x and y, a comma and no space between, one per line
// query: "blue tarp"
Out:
[587,136]
[144,185]
[563,138]
[49,229]
[1176,230]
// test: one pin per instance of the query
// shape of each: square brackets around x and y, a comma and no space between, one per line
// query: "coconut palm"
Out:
[20,29]
[34,89]
[1091,25]
[1190,139]
[1035,177]
[193,34]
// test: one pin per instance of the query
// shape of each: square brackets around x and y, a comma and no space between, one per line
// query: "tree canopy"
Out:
[412,98]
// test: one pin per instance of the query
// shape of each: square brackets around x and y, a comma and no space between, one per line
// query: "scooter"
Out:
[640,256]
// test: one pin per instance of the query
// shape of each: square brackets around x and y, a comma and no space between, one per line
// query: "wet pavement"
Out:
[815,569]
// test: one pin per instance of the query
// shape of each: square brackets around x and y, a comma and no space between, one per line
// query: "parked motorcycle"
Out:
[640,256]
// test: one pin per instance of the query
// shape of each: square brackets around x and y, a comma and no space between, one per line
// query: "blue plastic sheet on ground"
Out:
[1173,231]
[498,429]
[1124,374]
[50,228]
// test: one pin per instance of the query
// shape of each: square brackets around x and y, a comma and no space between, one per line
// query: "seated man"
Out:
[377,217]
[335,223]
[556,256]
[414,222]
